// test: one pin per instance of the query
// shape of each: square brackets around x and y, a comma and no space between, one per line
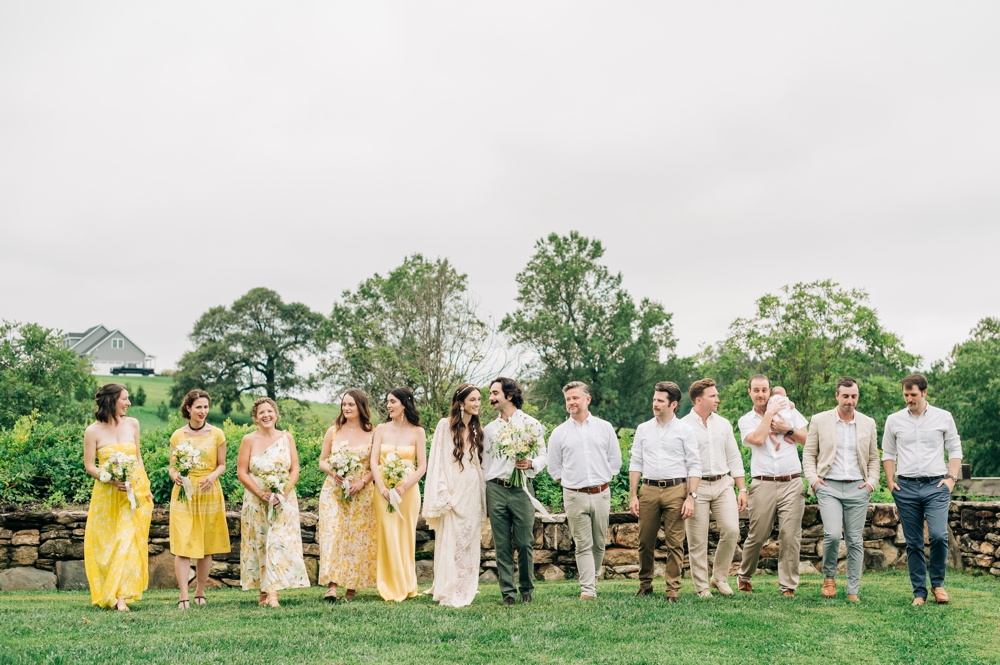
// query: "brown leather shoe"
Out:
[525,597]
[671,599]
[744,585]
[584,596]
[508,601]
[829,589]
[788,593]
[918,601]
[940,595]
[853,597]
[644,591]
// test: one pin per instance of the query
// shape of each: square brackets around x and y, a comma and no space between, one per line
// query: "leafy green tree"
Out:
[575,315]
[251,347]
[139,398]
[805,339]
[417,327]
[968,385]
[38,374]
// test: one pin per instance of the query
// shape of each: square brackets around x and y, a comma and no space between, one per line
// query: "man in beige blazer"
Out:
[841,463]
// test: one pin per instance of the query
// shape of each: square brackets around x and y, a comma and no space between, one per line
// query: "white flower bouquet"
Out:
[519,442]
[347,463]
[394,472]
[186,458]
[272,478]
[120,468]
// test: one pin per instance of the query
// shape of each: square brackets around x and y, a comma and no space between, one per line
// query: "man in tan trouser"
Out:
[666,461]
[583,457]
[721,468]
[777,485]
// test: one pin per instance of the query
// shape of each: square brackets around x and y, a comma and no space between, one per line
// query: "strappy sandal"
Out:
[204,601]
[262,601]
[331,596]
[183,604]
[273,602]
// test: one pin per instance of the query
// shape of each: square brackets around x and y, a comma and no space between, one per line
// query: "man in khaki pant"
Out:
[583,457]
[666,461]
[777,485]
[721,469]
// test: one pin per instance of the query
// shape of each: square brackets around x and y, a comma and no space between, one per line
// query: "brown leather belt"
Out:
[712,479]
[596,489]
[669,482]
[779,479]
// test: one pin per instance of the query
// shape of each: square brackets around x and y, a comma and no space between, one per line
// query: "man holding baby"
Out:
[771,430]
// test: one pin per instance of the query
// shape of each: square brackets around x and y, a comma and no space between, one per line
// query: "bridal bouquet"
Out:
[517,442]
[120,468]
[394,472]
[347,463]
[186,458]
[272,478]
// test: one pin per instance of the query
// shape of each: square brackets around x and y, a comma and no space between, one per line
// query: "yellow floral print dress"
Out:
[115,545]
[346,533]
[198,525]
[271,549]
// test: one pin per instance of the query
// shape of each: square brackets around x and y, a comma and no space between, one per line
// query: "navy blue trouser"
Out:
[917,502]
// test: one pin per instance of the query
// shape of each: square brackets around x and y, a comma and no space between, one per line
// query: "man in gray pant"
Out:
[841,463]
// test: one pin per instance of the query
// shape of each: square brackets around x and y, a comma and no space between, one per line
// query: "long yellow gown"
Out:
[198,525]
[396,569]
[346,533]
[116,542]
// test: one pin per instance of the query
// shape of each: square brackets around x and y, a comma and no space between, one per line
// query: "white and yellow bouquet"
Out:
[519,442]
[186,458]
[272,478]
[347,463]
[394,471]
[120,468]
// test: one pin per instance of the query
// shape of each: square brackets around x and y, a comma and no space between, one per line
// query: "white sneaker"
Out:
[723,587]
[705,594]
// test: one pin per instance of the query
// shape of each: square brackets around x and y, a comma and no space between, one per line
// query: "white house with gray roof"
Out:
[107,349]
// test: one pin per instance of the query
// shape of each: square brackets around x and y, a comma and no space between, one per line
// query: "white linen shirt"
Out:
[764,461]
[918,444]
[662,453]
[720,454]
[845,462]
[584,454]
[502,466]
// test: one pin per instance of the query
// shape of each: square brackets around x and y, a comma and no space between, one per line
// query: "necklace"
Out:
[197,429]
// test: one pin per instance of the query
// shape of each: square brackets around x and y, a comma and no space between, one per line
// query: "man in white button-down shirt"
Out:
[583,457]
[721,469]
[776,488]
[913,447]
[840,460]
[512,515]
[667,462]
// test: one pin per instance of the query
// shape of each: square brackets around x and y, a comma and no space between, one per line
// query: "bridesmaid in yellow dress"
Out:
[116,542]
[346,530]
[198,525]
[397,532]
[271,539]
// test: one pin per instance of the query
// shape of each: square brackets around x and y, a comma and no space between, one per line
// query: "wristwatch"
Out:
[790,432]
[693,495]
[954,478]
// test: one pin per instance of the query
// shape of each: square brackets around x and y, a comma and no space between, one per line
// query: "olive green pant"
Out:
[512,518]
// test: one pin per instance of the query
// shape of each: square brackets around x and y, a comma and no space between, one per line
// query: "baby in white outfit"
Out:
[778,395]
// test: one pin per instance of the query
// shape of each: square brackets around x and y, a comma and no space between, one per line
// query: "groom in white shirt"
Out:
[512,515]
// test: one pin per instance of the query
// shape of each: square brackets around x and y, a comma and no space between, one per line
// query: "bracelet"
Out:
[742,490]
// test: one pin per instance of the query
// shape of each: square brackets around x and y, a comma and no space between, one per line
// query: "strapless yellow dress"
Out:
[115,545]
[396,567]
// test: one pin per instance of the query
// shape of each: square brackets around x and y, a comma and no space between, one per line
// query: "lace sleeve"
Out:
[437,492]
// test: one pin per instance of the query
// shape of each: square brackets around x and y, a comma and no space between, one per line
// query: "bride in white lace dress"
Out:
[455,499]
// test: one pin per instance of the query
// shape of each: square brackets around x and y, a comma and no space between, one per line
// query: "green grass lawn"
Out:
[158,390]
[62,627]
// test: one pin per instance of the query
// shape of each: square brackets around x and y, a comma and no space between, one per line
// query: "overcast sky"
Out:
[157,159]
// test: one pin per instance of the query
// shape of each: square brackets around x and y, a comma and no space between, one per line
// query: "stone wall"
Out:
[44,550]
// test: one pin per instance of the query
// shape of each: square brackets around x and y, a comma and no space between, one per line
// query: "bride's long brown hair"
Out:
[458,424]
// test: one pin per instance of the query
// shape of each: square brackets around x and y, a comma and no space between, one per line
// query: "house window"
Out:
[118,343]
